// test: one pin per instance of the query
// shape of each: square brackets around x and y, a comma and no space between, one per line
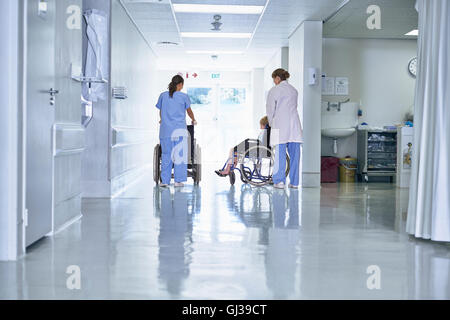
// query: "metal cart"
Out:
[377,154]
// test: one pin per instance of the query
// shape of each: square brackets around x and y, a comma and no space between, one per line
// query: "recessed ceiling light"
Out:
[211,8]
[414,32]
[215,35]
[213,52]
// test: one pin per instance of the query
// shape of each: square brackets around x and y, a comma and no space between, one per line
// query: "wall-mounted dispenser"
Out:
[313,76]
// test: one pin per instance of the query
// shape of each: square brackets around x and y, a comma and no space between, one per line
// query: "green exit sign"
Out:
[215,75]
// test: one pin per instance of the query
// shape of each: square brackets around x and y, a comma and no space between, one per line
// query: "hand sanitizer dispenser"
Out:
[313,77]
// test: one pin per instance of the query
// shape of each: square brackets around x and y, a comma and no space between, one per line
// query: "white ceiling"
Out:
[397,18]
[271,31]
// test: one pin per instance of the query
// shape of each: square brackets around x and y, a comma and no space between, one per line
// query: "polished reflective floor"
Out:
[222,242]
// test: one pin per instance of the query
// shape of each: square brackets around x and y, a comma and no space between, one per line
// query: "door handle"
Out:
[53,92]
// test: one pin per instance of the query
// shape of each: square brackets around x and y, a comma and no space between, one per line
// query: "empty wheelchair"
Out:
[194,159]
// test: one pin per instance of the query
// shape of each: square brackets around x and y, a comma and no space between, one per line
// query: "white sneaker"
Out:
[179,185]
[293,187]
[279,185]
[163,185]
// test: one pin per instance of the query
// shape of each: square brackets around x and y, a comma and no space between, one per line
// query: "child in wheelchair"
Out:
[263,138]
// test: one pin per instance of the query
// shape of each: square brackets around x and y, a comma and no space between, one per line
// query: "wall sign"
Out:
[328,86]
[342,86]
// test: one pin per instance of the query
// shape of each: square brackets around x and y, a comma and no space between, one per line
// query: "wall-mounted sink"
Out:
[339,120]
[338,132]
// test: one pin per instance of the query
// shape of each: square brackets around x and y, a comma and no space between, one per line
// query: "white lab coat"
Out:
[282,111]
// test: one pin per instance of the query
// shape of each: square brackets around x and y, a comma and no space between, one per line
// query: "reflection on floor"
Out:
[222,242]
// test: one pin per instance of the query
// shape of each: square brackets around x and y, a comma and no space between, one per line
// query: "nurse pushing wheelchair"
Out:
[178,155]
[254,160]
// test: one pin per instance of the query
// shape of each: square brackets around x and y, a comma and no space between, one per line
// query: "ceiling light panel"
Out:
[211,8]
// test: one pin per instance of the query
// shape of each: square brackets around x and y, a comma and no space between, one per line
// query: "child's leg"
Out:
[231,160]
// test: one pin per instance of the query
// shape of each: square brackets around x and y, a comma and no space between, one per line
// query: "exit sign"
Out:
[215,76]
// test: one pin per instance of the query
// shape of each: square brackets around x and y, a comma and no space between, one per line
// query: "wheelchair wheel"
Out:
[243,178]
[157,164]
[288,165]
[232,176]
[198,165]
[257,166]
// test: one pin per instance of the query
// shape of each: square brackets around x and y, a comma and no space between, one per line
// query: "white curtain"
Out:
[429,206]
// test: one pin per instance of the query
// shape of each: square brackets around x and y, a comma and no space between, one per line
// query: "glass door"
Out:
[224,115]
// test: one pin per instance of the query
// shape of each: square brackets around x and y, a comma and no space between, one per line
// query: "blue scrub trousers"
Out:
[174,155]
[294,150]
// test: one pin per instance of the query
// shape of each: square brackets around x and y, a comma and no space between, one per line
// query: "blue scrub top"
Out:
[173,112]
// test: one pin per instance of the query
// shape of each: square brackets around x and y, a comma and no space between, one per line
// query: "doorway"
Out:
[224,113]
[40,118]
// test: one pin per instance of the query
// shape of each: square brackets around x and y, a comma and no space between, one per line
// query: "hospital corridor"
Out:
[232,150]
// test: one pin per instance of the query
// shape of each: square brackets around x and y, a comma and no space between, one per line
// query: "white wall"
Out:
[259,101]
[305,51]
[378,76]
[134,120]
[11,196]
[279,60]
[121,137]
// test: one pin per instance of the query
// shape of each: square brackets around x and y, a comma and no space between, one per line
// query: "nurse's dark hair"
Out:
[283,74]
[173,85]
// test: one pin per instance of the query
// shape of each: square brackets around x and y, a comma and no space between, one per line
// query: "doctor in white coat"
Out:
[287,132]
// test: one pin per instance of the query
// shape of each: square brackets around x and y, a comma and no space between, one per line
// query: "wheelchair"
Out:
[255,163]
[194,159]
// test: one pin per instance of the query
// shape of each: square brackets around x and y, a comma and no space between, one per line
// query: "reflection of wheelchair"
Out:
[194,159]
[192,198]
[254,206]
[255,162]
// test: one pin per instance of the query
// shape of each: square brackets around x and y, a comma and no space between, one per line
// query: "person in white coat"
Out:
[287,132]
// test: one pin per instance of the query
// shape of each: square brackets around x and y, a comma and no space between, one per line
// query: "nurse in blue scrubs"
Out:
[173,106]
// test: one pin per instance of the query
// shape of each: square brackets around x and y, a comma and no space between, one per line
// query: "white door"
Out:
[40,117]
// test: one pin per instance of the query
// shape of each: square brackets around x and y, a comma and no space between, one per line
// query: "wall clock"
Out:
[412,67]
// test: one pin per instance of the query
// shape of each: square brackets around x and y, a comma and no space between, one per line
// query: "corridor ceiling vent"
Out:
[217,24]
[211,8]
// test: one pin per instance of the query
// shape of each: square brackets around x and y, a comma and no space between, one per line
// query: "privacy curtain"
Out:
[429,204]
